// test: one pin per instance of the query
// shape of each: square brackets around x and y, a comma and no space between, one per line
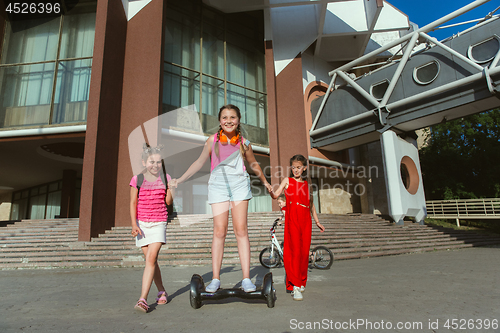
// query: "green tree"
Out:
[462,158]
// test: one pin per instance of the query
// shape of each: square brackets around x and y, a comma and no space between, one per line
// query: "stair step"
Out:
[54,243]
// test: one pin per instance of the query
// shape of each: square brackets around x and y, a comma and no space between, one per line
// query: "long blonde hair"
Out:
[237,131]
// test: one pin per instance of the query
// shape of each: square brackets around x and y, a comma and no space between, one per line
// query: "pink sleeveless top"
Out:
[151,206]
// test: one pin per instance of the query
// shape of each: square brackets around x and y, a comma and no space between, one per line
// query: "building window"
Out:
[484,51]
[45,69]
[213,59]
[426,73]
[40,202]
[378,89]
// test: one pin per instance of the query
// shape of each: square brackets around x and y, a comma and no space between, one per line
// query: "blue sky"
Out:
[423,12]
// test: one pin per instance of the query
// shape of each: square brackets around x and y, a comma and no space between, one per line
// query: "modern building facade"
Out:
[80,90]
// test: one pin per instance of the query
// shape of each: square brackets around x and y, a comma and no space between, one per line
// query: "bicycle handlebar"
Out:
[275,223]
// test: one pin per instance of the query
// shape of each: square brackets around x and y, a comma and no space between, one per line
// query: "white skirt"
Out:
[154,232]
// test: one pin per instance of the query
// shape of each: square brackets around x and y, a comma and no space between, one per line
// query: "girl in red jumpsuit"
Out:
[299,207]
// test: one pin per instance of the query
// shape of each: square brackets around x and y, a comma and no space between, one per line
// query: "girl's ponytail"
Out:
[147,150]
[217,142]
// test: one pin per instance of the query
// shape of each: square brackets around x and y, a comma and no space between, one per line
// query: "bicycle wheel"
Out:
[267,260]
[322,257]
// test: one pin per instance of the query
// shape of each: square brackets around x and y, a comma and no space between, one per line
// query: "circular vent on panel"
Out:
[409,175]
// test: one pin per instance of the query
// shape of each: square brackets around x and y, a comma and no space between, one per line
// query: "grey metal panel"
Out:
[381,75]
[461,45]
[447,72]
[346,102]
[408,123]
[351,137]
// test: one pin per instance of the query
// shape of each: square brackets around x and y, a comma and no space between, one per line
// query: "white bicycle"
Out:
[272,256]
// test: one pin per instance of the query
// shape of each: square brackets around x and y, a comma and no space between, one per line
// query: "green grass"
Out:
[480,226]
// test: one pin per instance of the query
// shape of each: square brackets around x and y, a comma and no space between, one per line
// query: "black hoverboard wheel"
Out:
[268,290]
[197,287]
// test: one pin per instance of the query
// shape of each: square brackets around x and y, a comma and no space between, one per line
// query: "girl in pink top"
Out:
[149,197]
[228,189]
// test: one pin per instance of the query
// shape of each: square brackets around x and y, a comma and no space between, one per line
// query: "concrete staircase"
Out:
[54,243]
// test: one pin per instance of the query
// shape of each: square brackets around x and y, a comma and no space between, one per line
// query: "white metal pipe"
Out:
[325,97]
[185,135]
[478,25]
[359,117]
[425,94]
[495,60]
[452,15]
[394,80]
[370,55]
[356,86]
[371,65]
[452,51]
[399,70]
[330,163]
[446,87]
[458,24]
[42,131]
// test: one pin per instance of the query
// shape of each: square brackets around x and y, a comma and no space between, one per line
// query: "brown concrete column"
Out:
[97,207]
[274,151]
[292,136]
[68,193]
[142,92]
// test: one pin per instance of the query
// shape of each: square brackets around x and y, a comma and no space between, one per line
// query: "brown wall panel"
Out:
[142,92]
[272,118]
[97,208]
[314,90]
[292,137]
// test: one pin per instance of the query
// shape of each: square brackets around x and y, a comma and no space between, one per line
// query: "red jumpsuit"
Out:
[297,233]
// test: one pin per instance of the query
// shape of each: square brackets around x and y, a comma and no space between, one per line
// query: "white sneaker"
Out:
[248,286]
[213,286]
[297,295]
[302,289]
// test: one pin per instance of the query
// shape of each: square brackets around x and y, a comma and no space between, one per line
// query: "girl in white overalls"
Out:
[228,189]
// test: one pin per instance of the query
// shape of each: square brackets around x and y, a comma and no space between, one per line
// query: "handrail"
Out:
[464,209]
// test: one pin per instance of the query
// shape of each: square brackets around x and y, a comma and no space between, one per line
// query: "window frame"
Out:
[202,76]
[469,49]
[57,63]
[415,70]
[377,83]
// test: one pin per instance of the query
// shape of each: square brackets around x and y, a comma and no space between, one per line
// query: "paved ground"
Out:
[365,295]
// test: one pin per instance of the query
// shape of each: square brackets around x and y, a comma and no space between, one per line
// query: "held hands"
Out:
[173,183]
[269,188]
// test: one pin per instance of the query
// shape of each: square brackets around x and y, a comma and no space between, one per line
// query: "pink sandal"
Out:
[142,305]
[162,298]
